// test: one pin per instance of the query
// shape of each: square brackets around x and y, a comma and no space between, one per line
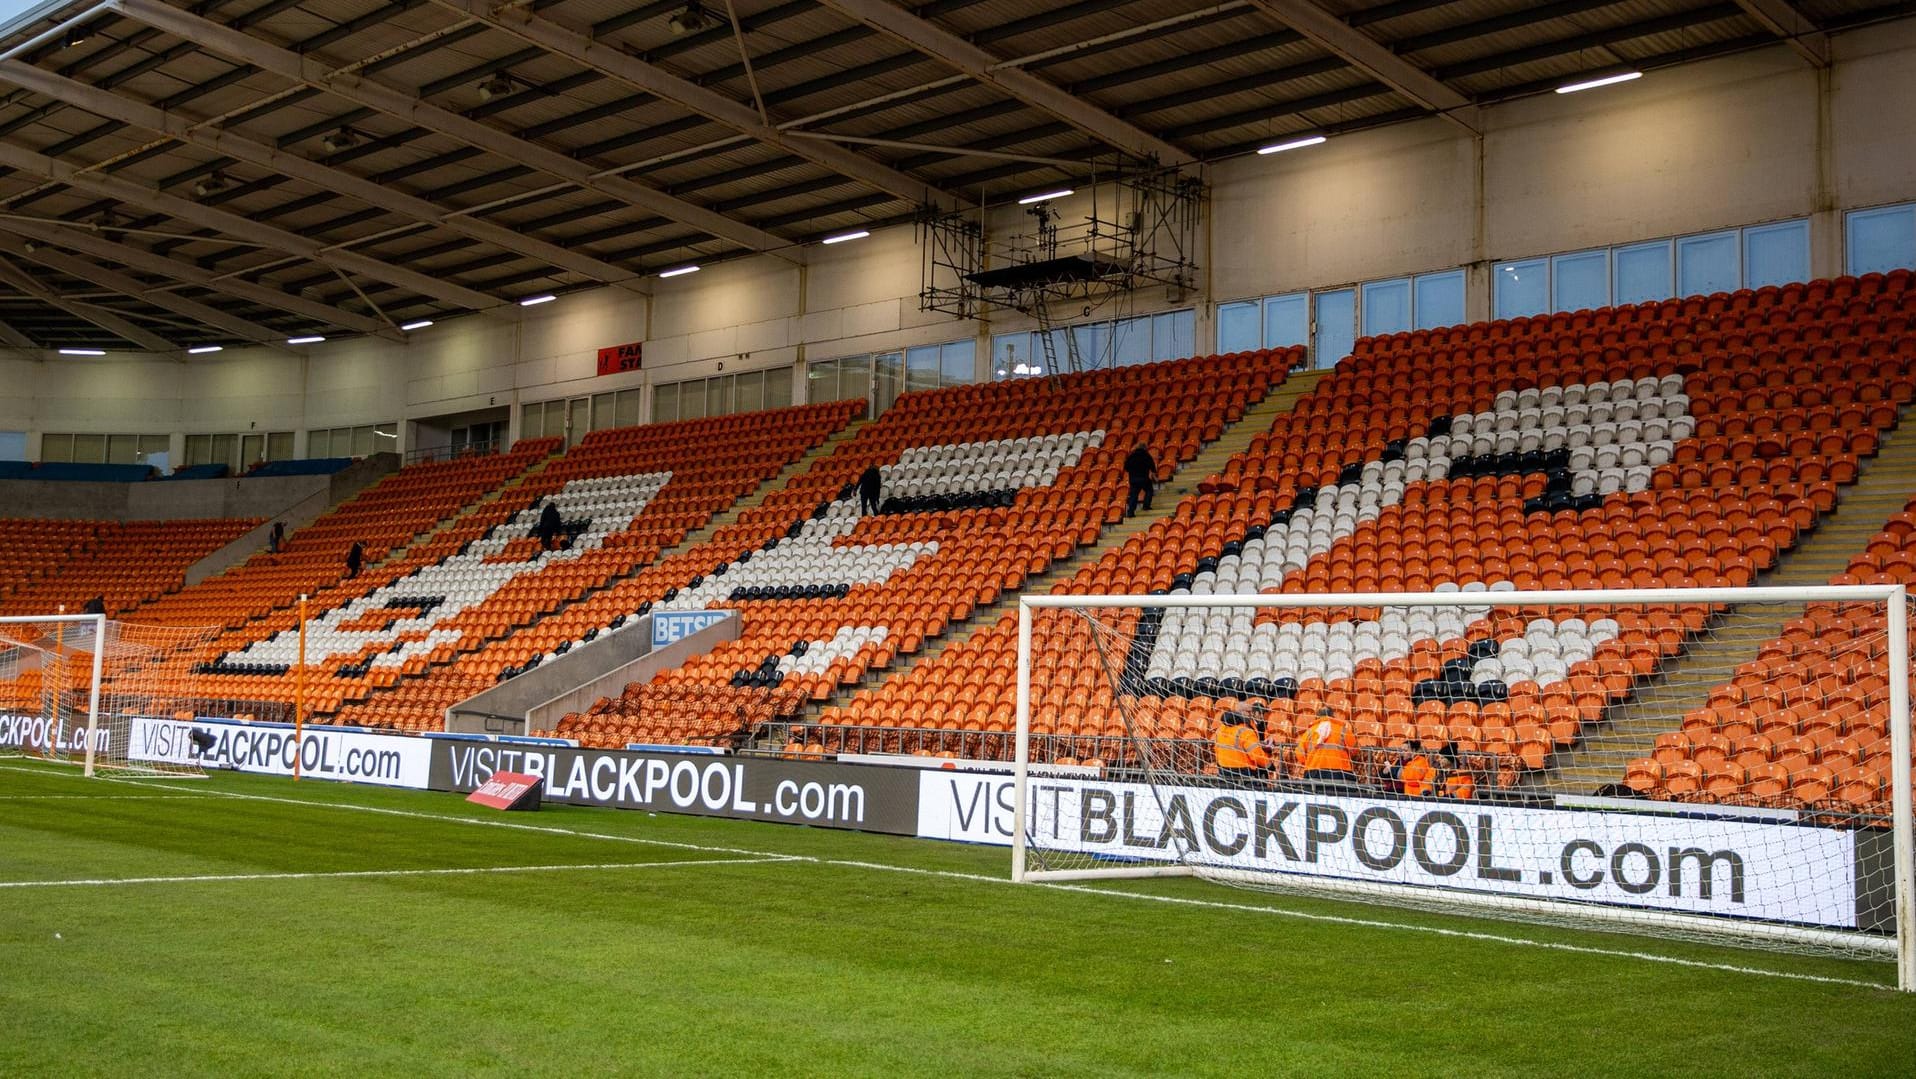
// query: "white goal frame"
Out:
[1902,947]
[98,622]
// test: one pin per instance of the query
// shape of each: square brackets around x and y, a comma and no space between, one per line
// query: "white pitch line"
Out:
[1369,923]
[220,878]
[95,797]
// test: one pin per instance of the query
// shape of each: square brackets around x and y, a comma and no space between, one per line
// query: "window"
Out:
[362,441]
[1120,343]
[13,445]
[1580,281]
[96,449]
[1776,254]
[1287,320]
[722,395]
[1336,326]
[921,368]
[665,403]
[1439,299]
[1174,335]
[1131,341]
[1880,240]
[1643,273]
[1750,257]
[958,362]
[1387,306]
[1522,288]
[1237,327]
[1707,264]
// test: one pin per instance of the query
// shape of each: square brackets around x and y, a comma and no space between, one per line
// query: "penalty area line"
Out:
[354,874]
[1367,923]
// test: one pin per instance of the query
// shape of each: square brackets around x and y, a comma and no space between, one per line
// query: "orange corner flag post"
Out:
[299,692]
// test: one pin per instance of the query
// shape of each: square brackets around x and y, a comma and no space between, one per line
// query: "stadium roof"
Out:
[248,171]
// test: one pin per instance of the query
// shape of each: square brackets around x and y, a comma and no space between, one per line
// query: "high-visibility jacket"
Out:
[1418,776]
[1237,746]
[1460,785]
[1325,746]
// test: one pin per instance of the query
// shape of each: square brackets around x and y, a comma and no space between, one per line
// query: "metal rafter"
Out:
[13,338]
[579,47]
[941,44]
[187,129]
[86,312]
[1780,17]
[124,190]
[1366,54]
[90,242]
[406,106]
[131,287]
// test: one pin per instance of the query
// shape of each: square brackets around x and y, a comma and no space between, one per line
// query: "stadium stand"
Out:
[311,466]
[1682,443]
[984,486]
[50,564]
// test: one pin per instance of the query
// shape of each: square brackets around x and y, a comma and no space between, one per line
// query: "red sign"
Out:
[508,790]
[621,358]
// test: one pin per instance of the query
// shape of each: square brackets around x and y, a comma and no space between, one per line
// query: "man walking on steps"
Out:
[870,485]
[1143,473]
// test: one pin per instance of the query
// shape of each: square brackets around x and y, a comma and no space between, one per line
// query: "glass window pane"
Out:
[1776,254]
[855,378]
[602,411]
[821,381]
[778,388]
[1131,342]
[888,380]
[1092,342]
[1643,273]
[1054,352]
[692,399]
[1237,327]
[532,424]
[957,362]
[199,449]
[1287,320]
[1707,264]
[628,408]
[226,451]
[89,449]
[252,450]
[1580,280]
[1336,326]
[1010,351]
[1521,288]
[1174,335]
[1387,306]
[279,445]
[921,368]
[362,441]
[1881,240]
[56,447]
[665,403]
[13,445]
[748,392]
[1439,299]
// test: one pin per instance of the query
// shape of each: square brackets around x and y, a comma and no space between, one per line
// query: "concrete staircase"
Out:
[1885,482]
[1210,460]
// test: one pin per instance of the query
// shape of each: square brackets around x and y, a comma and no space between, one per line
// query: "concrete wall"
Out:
[294,499]
[1738,140]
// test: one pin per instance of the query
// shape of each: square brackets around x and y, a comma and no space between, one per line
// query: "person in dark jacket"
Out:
[276,539]
[354,559]
[870,485]
[96,605]
[549,525]
[1143,472]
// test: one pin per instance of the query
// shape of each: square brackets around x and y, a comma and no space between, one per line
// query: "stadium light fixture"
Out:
[1291,144]
[82,352]
[1047,196]
[312,340]
[201,350]
[844,236]
[534,301]
[420,325]
[1592,84]
[680,272]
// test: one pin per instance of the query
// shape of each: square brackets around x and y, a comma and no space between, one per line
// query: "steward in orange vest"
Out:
[1324,749]
[1239,745]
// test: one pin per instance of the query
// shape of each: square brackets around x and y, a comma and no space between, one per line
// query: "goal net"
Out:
[88,690]
[1723,765]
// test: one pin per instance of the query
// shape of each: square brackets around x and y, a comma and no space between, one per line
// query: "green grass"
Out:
[805,966]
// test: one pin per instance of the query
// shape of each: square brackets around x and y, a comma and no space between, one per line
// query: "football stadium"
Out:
[1080,537]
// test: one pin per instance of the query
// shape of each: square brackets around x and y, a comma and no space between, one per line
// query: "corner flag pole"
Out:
[299,692]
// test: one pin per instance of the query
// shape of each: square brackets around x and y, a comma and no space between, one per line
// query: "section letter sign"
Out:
[618,359]
[508,790]
[670,627]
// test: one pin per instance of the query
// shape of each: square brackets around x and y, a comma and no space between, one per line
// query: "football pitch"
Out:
[247,925]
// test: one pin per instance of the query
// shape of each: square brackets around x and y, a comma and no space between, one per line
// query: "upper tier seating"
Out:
[127,563]
[984,486]
[385,516]
[406,632]
[1679,443]
[1805,725]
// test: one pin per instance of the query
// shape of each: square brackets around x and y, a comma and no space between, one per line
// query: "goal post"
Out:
[1727,765]
[82,688]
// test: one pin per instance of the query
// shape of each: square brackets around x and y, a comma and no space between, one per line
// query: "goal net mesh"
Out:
[54,670]
[1698,770]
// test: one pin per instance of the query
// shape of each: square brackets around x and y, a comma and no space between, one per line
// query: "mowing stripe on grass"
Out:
[94,797]
[1110,892]
[216,878]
